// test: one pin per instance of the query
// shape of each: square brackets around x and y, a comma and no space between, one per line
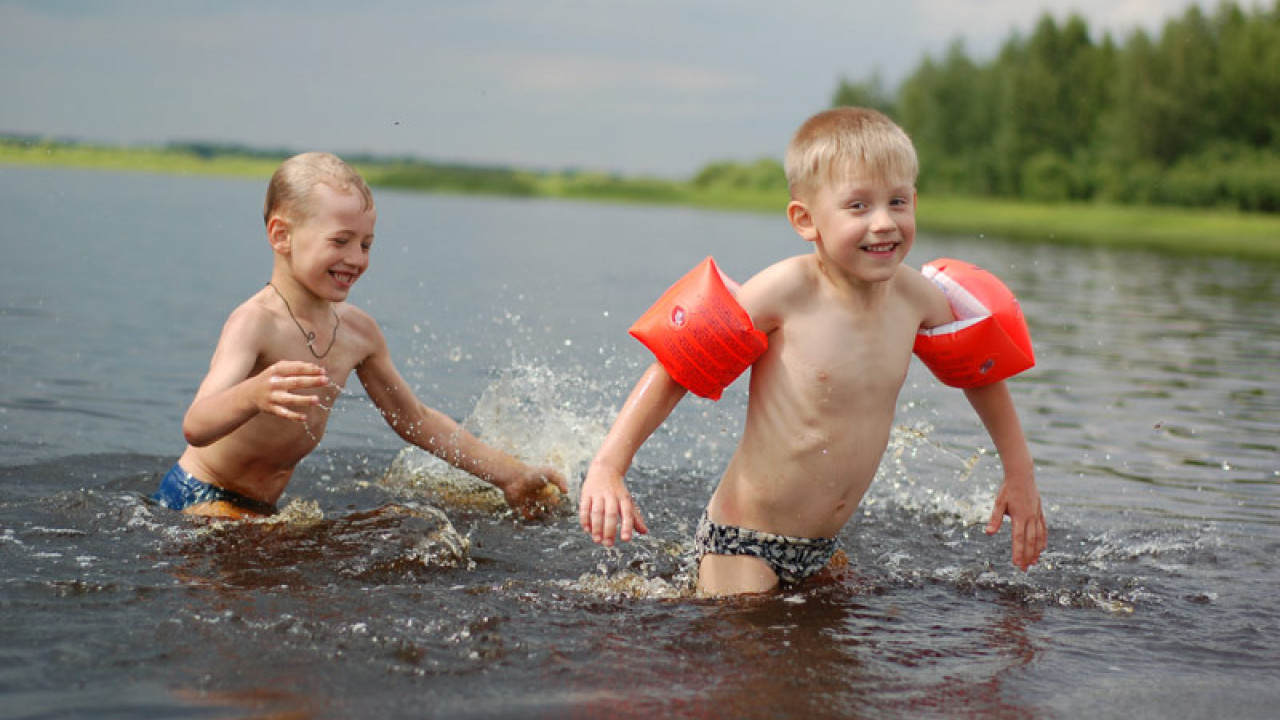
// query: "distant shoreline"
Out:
[1185,231]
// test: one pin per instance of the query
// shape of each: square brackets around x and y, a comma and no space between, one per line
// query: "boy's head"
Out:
[848,140]
[291,192]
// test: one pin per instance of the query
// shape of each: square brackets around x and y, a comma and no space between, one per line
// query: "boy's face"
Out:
[329,249]
[862,224]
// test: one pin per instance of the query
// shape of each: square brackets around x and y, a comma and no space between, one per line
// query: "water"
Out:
[391,587]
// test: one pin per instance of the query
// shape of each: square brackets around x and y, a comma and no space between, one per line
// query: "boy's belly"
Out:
[813,495]
[258,459]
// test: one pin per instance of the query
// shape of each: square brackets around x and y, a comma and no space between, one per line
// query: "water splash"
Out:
[530,411]
[921,476]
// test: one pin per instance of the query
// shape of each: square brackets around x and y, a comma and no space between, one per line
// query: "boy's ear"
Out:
[278,234]
[802,220]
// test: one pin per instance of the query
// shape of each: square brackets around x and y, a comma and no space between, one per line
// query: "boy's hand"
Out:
[1021,502]
[605,507]
[535,492]
[275,392]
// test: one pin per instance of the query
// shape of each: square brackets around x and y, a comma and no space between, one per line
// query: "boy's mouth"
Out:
[880,248]
[344,278]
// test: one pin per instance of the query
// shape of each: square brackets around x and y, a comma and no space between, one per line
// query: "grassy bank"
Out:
[1167,229]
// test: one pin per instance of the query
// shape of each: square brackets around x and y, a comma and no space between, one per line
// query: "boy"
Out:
[287,352]
[840,324]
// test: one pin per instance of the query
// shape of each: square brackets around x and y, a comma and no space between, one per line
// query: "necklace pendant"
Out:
[310,336]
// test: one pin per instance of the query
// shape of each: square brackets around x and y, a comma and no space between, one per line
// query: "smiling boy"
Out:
[841,323]
[286,353]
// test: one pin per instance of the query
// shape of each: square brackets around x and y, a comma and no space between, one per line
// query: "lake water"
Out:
[391,588]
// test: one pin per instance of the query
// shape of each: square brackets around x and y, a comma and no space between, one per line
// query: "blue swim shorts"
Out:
[792,559]
[180,490]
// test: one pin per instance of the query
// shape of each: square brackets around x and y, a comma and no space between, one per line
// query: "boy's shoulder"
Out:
[911,282]
[362,326]
[252,315]
[790,275]
[775,291]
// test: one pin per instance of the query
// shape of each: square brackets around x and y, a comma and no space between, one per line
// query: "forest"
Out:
[1189,118]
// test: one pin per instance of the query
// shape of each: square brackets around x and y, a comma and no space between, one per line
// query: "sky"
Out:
[637,87]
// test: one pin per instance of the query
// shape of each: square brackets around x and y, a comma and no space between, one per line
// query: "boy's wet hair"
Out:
[848,138]
[290,192]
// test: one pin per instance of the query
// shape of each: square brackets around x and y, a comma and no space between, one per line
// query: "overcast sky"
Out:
[657,87]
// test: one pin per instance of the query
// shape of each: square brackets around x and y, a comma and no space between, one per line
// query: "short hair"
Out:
[860,139]
[291,190]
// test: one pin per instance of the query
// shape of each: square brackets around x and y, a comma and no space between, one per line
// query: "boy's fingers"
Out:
[294,382]
[1020,542]
[287,414]
[997,519]
[1039,538]
[641,527]
[628,521]
[609,527]
[609,518]
[1033,539]
[298,367]
[595,520]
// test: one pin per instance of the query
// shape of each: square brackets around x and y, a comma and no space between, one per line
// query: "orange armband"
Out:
[988,341]
[700,333]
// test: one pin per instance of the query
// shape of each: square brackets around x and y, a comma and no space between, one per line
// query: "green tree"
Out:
[1190,116]
[947,107]
[870,93]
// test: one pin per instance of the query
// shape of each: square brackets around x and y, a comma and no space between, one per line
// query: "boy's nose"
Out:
[357,256]
[882,221]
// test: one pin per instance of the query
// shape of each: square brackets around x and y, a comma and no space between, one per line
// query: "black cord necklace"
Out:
[311,336]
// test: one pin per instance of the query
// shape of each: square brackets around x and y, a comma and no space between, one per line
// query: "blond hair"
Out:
[291,190]
[853,139]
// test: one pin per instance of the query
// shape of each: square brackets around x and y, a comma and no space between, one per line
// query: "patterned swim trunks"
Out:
[180,490]
[792,559]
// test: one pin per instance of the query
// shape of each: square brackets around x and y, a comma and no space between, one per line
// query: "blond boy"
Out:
[286,353]
[841,322]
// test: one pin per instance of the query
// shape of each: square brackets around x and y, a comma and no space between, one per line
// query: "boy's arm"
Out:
[1018,497]
[522,486]
[605,507]
[230,396]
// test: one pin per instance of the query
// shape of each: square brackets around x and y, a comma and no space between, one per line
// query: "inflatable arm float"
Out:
[988,341]
[700,333]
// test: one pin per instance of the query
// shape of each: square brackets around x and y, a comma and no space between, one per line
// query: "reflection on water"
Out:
[394,587]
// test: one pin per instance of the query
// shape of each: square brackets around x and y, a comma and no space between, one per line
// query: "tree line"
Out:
[1190,118]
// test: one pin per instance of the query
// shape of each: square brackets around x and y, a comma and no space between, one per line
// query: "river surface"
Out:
[392,587]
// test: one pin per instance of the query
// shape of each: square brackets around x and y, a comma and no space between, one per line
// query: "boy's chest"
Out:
[847,355]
